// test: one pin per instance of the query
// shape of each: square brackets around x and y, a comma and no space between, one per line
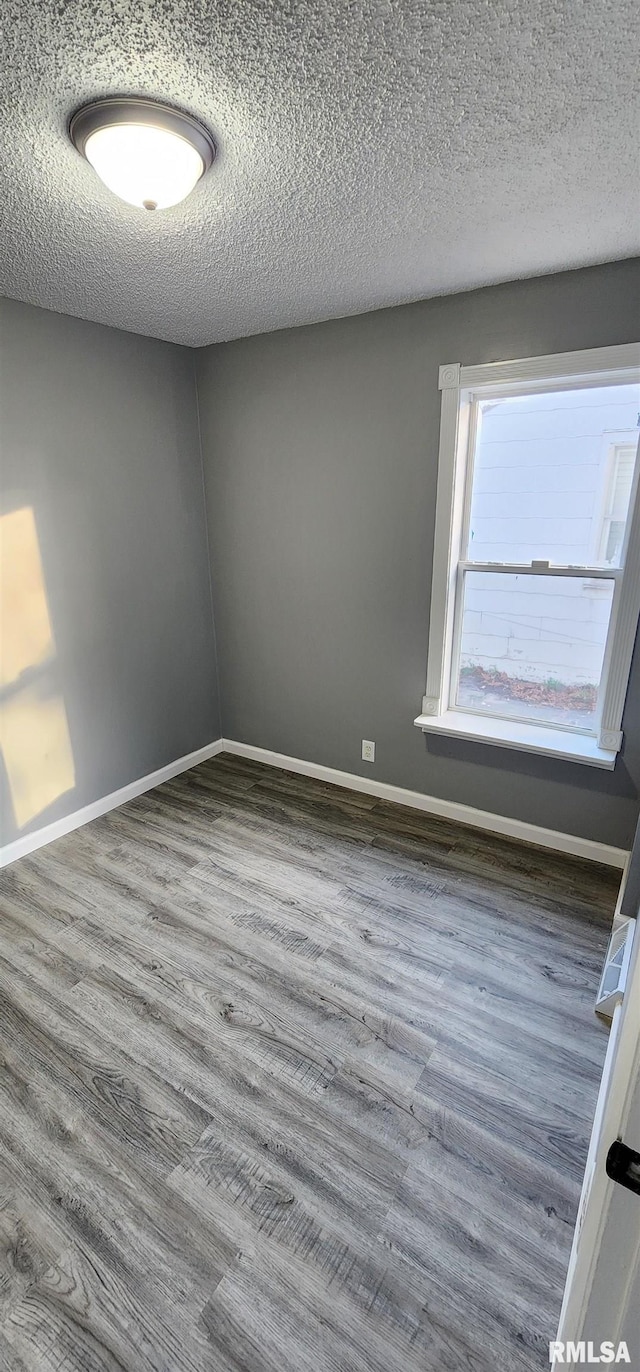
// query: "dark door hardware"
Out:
[623,1165]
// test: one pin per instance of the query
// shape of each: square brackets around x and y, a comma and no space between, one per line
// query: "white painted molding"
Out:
[448,375]
[21,847]
[587,363]
[434,805]
[453,434]
[522,735]
[610,740]
[623,626]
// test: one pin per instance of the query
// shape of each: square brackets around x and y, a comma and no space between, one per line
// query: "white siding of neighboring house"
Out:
[544,495]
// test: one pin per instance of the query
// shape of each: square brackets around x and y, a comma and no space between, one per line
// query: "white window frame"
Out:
[460,387]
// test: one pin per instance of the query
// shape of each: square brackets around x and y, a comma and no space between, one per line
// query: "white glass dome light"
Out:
[148,154]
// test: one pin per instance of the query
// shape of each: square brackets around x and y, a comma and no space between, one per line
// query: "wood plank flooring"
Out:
[292,1081]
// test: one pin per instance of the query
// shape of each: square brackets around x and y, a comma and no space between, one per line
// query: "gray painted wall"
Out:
[630,903]
[100,437]
[320,451]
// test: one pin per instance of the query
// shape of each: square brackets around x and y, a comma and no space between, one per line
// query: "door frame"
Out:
[620,1081]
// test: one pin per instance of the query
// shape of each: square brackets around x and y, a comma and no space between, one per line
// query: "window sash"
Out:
[576,573]
[588,570]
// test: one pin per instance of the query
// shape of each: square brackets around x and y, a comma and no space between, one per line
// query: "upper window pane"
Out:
[552,476]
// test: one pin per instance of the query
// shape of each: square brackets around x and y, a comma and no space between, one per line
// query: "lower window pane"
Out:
[532,647]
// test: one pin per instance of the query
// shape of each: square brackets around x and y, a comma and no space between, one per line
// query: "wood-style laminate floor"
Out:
[292,1081]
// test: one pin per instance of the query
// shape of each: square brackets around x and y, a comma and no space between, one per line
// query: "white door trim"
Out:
[619,1079]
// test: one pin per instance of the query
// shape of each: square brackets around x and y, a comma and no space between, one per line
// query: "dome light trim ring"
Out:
[132,109]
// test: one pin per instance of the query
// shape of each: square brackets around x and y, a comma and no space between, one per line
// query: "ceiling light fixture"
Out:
[146,153]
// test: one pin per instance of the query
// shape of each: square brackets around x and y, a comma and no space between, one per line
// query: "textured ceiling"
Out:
[371,152]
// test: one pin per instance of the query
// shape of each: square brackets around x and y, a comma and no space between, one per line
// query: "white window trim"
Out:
[459,385]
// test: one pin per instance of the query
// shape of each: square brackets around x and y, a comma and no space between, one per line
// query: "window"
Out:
[536,578]
[619,482]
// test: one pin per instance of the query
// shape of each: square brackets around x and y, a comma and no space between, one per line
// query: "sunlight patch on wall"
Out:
[26,630]
[34,732]
[34,738]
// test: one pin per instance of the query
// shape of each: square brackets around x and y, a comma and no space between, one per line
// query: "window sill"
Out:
[511,733]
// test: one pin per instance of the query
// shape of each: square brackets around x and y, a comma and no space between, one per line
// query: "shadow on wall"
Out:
[34,731]
[533,765]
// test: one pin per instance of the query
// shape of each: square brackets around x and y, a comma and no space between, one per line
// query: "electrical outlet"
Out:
[368,750]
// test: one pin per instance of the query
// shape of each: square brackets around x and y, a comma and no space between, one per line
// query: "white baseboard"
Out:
[22,846]
[433,805]
[444,809]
